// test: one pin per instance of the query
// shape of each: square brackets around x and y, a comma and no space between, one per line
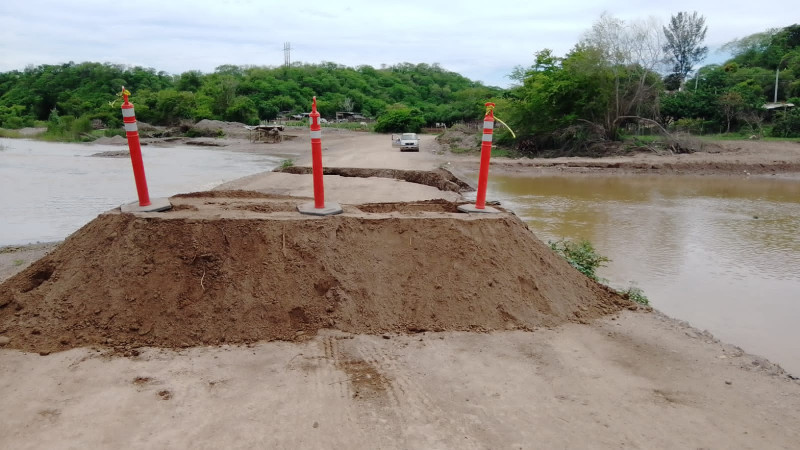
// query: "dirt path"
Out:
[341,148]
[345,148]
[639,381]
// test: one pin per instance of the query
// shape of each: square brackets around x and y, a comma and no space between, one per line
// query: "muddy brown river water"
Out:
[722,253]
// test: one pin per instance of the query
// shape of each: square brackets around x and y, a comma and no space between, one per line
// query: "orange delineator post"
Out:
[486,154]
[316,156]
[318,207]
[132,132]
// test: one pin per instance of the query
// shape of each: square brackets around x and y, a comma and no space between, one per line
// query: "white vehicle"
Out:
[407,142]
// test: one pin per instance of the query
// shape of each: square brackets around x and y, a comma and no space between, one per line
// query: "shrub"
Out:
[581,256]
[111,132]
[787,124]
[585,258]
[635,294]
[400,121]
[10,133]
[82,125]
[204,132]
[686,125]
[68,128]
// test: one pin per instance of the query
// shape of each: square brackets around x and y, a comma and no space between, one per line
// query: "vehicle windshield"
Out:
[407,136]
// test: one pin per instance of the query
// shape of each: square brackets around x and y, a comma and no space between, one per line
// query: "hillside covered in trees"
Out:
[234,93]
[623,79]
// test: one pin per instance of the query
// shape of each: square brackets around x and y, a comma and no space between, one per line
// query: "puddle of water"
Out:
[720,253]
[49,190]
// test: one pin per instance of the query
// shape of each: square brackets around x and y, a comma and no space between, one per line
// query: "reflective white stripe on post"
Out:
[131,127]
[316,134]
[487,138]
[488,124]
[127,112]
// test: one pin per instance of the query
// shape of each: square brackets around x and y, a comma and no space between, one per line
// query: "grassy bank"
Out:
[6,133]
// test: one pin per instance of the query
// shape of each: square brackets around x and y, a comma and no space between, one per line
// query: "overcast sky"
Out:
[482,40]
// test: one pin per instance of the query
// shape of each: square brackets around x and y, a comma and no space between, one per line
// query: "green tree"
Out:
[85,89]
[242,109]
[731,103]
[582,100]
[787,124]
[685,35]
[400,120]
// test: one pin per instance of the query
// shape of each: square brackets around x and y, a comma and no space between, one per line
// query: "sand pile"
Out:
[227,267]
[208,127]
[442,179]
[113,140]
[460,139]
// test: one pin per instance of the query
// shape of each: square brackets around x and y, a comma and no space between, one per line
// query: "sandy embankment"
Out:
[344,148]
[734,158]
[633,379]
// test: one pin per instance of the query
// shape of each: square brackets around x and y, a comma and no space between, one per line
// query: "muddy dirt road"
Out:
[639,380]
[344,148]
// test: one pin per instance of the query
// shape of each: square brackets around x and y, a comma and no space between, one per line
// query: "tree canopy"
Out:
[237,93]
[685,35]
[611,83]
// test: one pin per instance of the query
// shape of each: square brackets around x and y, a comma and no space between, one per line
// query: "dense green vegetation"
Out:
[622,81]
[609,86]
[730,97]
[243,94]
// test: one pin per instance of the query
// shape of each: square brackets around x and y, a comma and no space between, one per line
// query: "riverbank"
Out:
[731,158]
[633,378]
[717,157]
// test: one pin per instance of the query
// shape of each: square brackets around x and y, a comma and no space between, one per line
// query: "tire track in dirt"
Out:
[328,380]
[362,387]
[421,420]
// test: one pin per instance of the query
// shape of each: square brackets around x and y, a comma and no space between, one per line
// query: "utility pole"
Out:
[697,77]
[287,54]
[777,73]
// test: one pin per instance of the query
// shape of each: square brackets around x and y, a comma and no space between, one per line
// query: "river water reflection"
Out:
[49,190]
[720,252]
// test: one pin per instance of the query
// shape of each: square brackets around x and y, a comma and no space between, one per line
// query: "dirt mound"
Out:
[460,139]
[230,194]
[237,269]
[144,126]
[31,131]
[442,179]
[210,128]
[112,154]
[113,140]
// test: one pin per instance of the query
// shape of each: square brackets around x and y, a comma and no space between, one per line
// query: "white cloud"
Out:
[482,40]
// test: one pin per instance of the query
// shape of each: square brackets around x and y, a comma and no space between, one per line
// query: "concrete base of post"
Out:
[329,209]
[470,208]
[156,205]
